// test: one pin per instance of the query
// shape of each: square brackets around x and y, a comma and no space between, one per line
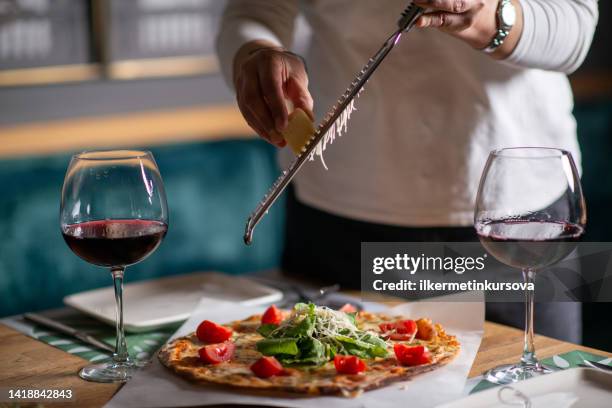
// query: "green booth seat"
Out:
[211,187]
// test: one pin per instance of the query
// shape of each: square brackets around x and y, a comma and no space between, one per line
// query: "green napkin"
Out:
[564,361]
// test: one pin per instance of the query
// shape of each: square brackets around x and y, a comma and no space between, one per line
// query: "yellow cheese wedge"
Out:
[299,130]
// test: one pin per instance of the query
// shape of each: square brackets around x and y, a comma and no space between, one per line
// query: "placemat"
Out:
[563,361]
[140,345]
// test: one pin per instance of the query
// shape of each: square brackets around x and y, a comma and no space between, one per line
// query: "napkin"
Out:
[155,386]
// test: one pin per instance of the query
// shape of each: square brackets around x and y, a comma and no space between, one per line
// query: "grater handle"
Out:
[409,17]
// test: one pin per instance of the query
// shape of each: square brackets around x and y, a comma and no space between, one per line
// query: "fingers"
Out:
[298,94]
[473,21]
[271,85]
[450,15]
[451,6]
[445,21]
[262,84]
[256,112]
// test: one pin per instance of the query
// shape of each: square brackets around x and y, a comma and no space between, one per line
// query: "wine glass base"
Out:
[108,371]
[511,373]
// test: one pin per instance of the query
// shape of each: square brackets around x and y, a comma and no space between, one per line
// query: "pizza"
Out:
[311,350]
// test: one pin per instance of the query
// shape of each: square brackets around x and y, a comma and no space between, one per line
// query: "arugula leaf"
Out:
[266,329]
[305,328]
[311,349]
[352,317]
[273,347]
[371,345]
[375,340]
[330,351]
[307,350]
[378,351]
[356,351]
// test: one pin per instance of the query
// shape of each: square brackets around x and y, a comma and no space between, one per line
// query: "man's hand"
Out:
[264,77]
[473,21]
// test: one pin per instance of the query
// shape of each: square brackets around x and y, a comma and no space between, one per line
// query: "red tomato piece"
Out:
[272,315]
[267,367]
[348,308]
[349,364]
[411,355]
[406,327]
[217,353]
[211,332]
[386,327]
[399,336]
[401,330]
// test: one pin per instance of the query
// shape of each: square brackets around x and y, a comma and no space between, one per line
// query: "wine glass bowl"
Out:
[530,213]
[526,243]
[113,214]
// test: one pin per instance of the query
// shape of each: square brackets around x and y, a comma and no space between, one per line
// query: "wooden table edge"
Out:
[32,361]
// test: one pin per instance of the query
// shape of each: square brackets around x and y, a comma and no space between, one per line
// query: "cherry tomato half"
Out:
[406,327]
[401,330]
[217,353]
[272,315]
[211,332]
[399,336]
[386,327]
[349,364]
[266,367]
[411,355]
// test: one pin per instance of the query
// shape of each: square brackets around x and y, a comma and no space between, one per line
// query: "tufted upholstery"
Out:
[211,189]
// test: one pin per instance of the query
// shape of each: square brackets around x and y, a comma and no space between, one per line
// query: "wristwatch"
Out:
[506,17]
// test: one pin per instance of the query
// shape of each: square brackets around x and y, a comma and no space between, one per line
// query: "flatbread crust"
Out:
[181,356]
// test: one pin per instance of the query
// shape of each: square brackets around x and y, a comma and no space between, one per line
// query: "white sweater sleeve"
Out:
[247,20]
[556,34]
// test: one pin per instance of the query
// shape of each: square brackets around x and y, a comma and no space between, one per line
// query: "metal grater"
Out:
[405,23]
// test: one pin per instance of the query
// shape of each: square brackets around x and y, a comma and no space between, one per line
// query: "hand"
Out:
[264,77]
[473,21]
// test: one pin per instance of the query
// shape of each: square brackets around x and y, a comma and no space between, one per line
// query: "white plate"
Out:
[576,387]
[161,302]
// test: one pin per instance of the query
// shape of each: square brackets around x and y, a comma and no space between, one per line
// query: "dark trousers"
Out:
[326,247]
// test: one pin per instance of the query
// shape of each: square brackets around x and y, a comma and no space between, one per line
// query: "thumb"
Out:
[299,95]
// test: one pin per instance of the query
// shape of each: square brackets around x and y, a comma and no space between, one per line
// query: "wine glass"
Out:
[530,212]
[113,214]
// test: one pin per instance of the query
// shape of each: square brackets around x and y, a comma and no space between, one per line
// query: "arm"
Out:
[557,34]
[270,22]
[549,34]
[251,46]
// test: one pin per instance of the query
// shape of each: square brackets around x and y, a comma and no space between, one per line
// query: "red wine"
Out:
[114,242]
[529,244]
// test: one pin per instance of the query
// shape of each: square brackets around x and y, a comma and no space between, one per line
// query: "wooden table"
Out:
[25,362]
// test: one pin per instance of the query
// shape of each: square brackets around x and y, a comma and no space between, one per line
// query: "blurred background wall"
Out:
[79,74]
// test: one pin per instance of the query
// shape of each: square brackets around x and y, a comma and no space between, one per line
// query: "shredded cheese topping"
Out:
[329,324]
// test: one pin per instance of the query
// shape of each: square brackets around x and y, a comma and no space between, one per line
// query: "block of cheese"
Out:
[299,130]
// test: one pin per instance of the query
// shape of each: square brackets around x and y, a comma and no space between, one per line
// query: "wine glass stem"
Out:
[121,353]
[529,355]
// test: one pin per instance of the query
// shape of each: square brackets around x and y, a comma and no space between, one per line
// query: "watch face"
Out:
[508,14]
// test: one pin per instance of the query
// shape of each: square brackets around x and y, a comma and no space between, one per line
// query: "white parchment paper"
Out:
[155,386]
